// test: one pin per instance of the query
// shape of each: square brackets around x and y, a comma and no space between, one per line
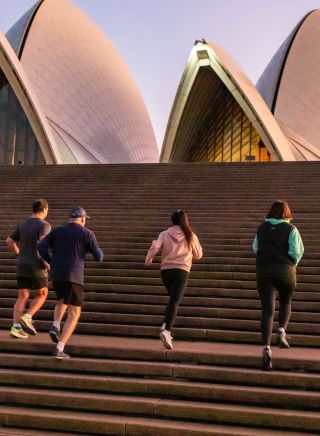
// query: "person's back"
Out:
[69,245]
[28,234]
[176,252]
[273,247]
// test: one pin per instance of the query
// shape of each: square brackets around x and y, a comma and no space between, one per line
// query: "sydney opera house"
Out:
[67,97]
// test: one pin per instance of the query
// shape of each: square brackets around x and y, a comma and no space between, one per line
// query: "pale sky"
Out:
[155,37]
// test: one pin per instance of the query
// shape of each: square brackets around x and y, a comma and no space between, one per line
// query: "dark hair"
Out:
[180,218]
[280,210]
[39,205]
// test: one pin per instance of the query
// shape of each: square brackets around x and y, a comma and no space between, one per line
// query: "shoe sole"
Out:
[165,342]
[267,363]
[61,358]
[54,337]
[28,329]
[18,337]
[280,344]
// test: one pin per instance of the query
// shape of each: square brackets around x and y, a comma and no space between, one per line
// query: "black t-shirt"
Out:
[27,235]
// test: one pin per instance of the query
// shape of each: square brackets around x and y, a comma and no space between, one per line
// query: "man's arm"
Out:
[12,241]
[43,247]
[12,244]
[94,247]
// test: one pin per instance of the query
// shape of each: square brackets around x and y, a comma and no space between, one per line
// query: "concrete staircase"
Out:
[121,380]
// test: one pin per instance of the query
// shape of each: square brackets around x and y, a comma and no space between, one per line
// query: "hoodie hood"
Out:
[176,233]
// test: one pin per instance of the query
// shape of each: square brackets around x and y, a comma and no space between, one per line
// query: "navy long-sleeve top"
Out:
[65,248]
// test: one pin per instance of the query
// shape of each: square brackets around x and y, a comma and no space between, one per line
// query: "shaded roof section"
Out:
[297,101]
[22,88]
[90,99]
[243,90]
[18,33]
[269,82]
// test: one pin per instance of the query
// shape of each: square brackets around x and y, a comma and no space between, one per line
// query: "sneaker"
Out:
[166,338]
[19,333]
[266,359]
[61,355]
[27,324]
[282,339]
[54,334]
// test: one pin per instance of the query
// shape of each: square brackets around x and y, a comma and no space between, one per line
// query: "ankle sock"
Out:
[281,330]
[267,347]
[27,315]
[17,325]
[56,324]
[60,346]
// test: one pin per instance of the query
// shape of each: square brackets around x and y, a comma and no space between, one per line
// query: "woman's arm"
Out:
[154,249]
[296,248]
[196,248]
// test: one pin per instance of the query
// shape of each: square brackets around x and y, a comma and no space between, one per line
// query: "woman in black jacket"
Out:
[279,248]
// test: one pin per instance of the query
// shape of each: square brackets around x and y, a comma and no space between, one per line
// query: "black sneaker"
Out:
[282,339]
[54,334]
[266,359]
[61,355]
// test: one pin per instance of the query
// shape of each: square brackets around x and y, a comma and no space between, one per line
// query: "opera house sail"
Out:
[66,95]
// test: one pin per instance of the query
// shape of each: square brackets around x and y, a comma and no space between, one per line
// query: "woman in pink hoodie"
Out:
[178,246]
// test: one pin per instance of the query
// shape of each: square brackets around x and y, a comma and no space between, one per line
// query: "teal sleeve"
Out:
[255,244]
[296,247]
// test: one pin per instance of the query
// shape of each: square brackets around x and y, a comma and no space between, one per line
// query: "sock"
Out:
[281,330]
[267,347]
[27,315]
[56,324]
[60,346]
[163,327]
[17,325]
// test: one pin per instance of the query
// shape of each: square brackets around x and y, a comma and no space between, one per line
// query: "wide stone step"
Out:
[154,407]
[125,426]
[175,389]
[152,370]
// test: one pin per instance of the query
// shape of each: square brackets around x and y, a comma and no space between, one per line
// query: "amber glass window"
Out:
[214,128]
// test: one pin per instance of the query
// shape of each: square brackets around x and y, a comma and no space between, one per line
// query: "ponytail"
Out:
[180,218]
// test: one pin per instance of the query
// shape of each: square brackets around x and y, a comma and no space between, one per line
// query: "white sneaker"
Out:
[166,338]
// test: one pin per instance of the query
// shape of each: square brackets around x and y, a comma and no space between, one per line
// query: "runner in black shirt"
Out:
[68,245]
[32,271]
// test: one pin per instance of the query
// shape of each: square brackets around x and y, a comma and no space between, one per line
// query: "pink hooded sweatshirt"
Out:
[175,252]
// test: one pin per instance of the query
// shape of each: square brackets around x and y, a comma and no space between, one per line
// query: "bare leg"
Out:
[59,311]
[20,304]
[38,301]
[71,323]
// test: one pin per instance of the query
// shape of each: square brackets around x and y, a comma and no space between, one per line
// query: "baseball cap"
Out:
[78,212]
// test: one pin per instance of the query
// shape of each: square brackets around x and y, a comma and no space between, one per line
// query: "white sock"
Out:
[27,315]
[163,327]
[60,346]
[56,324]
[281,330]
[17,325]
[267,347]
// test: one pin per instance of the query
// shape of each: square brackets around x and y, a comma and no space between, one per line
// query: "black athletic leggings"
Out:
[281,278]
[175,280]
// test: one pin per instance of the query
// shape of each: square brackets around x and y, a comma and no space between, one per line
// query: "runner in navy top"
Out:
[65,250]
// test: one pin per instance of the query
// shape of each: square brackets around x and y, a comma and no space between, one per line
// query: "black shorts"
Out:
[71,293]
[32,282]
